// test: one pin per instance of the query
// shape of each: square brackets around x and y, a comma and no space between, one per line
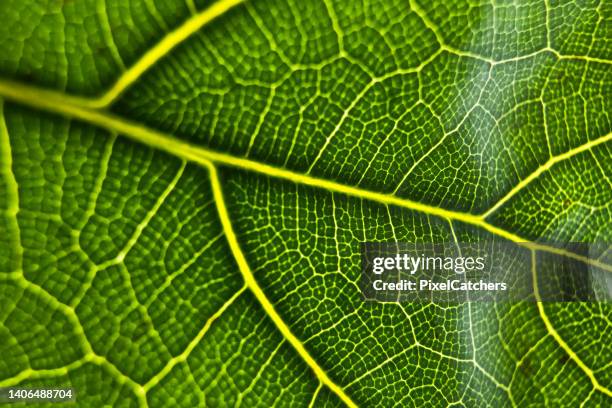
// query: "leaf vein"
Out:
[261,296]
[170,41]
[56,103]
[193,343]
[555,335]
[12,193]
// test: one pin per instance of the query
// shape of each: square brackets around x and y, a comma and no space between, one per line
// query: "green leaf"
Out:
[184,189]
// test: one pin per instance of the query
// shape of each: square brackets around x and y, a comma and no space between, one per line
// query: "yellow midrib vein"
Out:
[57,103]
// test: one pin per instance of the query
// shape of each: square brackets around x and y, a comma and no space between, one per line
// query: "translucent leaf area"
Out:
[184,187]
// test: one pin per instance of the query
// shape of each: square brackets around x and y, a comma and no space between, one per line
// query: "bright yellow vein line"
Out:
[261,296]
[57,103]
[12,190]
[551,162]
[160,49]
[553,332]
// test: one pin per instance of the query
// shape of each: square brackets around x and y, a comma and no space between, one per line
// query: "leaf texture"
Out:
[184,187]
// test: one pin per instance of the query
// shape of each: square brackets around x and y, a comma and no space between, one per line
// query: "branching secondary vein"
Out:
[546,166]
[12,193]
[193,343]
[162,48]
[261,296]
[553,332]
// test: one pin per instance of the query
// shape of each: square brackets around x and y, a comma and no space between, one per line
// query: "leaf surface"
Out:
[184,189]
